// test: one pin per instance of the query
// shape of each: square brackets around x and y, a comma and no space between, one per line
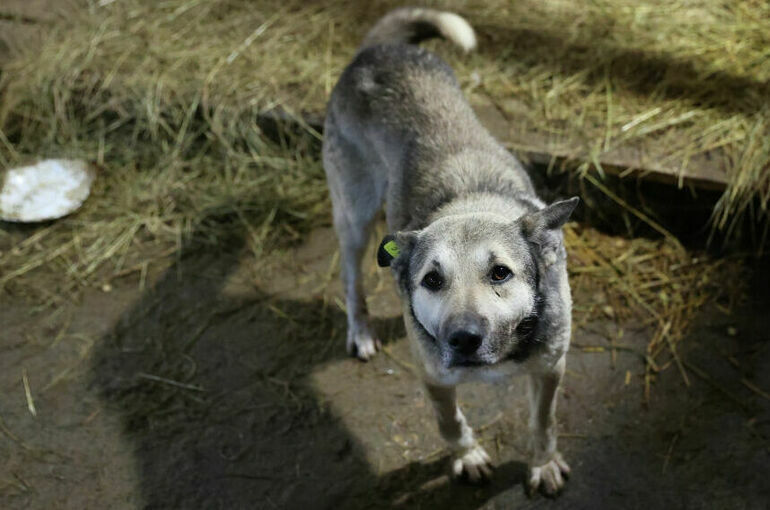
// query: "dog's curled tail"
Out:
[414,24]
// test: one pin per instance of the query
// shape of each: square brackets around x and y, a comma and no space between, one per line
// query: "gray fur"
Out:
[398,130]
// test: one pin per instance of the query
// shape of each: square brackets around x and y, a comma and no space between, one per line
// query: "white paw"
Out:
[362,345]
[550,477]
[474,463]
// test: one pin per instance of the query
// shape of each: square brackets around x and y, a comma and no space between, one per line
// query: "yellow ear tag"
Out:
[387,251]
[392,248]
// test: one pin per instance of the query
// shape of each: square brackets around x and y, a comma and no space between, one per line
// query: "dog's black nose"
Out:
[465,342]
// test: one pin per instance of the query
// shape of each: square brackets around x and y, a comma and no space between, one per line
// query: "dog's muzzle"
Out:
[464,334]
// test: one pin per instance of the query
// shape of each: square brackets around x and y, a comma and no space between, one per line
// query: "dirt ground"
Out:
[205,386]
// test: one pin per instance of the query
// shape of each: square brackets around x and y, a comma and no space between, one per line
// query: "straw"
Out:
[164,96]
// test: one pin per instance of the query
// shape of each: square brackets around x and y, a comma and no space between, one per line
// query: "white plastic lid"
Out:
[47,190]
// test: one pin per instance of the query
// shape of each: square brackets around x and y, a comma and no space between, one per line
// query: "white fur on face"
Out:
[467,288]
[500,303]
[430,308]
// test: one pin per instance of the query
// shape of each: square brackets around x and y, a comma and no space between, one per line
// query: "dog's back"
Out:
[401,108]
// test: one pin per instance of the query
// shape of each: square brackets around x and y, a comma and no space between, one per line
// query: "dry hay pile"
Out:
[681,77]
[164,97]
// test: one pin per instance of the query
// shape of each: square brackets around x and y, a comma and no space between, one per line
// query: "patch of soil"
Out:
[215,388]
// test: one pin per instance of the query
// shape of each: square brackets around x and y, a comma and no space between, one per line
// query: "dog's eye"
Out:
[500,274]
[432,281]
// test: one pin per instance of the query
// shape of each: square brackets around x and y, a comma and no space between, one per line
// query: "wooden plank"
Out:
[704,170]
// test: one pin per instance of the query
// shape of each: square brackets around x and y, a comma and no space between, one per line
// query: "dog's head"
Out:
[471,281]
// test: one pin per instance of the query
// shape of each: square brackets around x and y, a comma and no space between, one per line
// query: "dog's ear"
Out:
[393,246]
[541,227]
[550,217]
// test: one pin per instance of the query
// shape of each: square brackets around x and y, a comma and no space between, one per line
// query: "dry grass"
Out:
[681,78]
[179,153]
[164,97]
[653,283]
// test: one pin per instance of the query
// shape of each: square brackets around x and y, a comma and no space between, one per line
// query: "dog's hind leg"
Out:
[357,187]
[469,458]
[547,468]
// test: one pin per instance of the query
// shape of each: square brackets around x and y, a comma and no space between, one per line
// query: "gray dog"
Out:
[478,258]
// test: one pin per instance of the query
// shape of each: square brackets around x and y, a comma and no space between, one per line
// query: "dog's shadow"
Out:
[428,485]
[213,392]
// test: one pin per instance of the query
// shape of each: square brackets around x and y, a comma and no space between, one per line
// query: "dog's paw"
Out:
[363,345]
[472,463]
[549,477]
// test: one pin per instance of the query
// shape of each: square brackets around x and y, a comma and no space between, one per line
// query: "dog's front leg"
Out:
[547,468]
[469,457]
